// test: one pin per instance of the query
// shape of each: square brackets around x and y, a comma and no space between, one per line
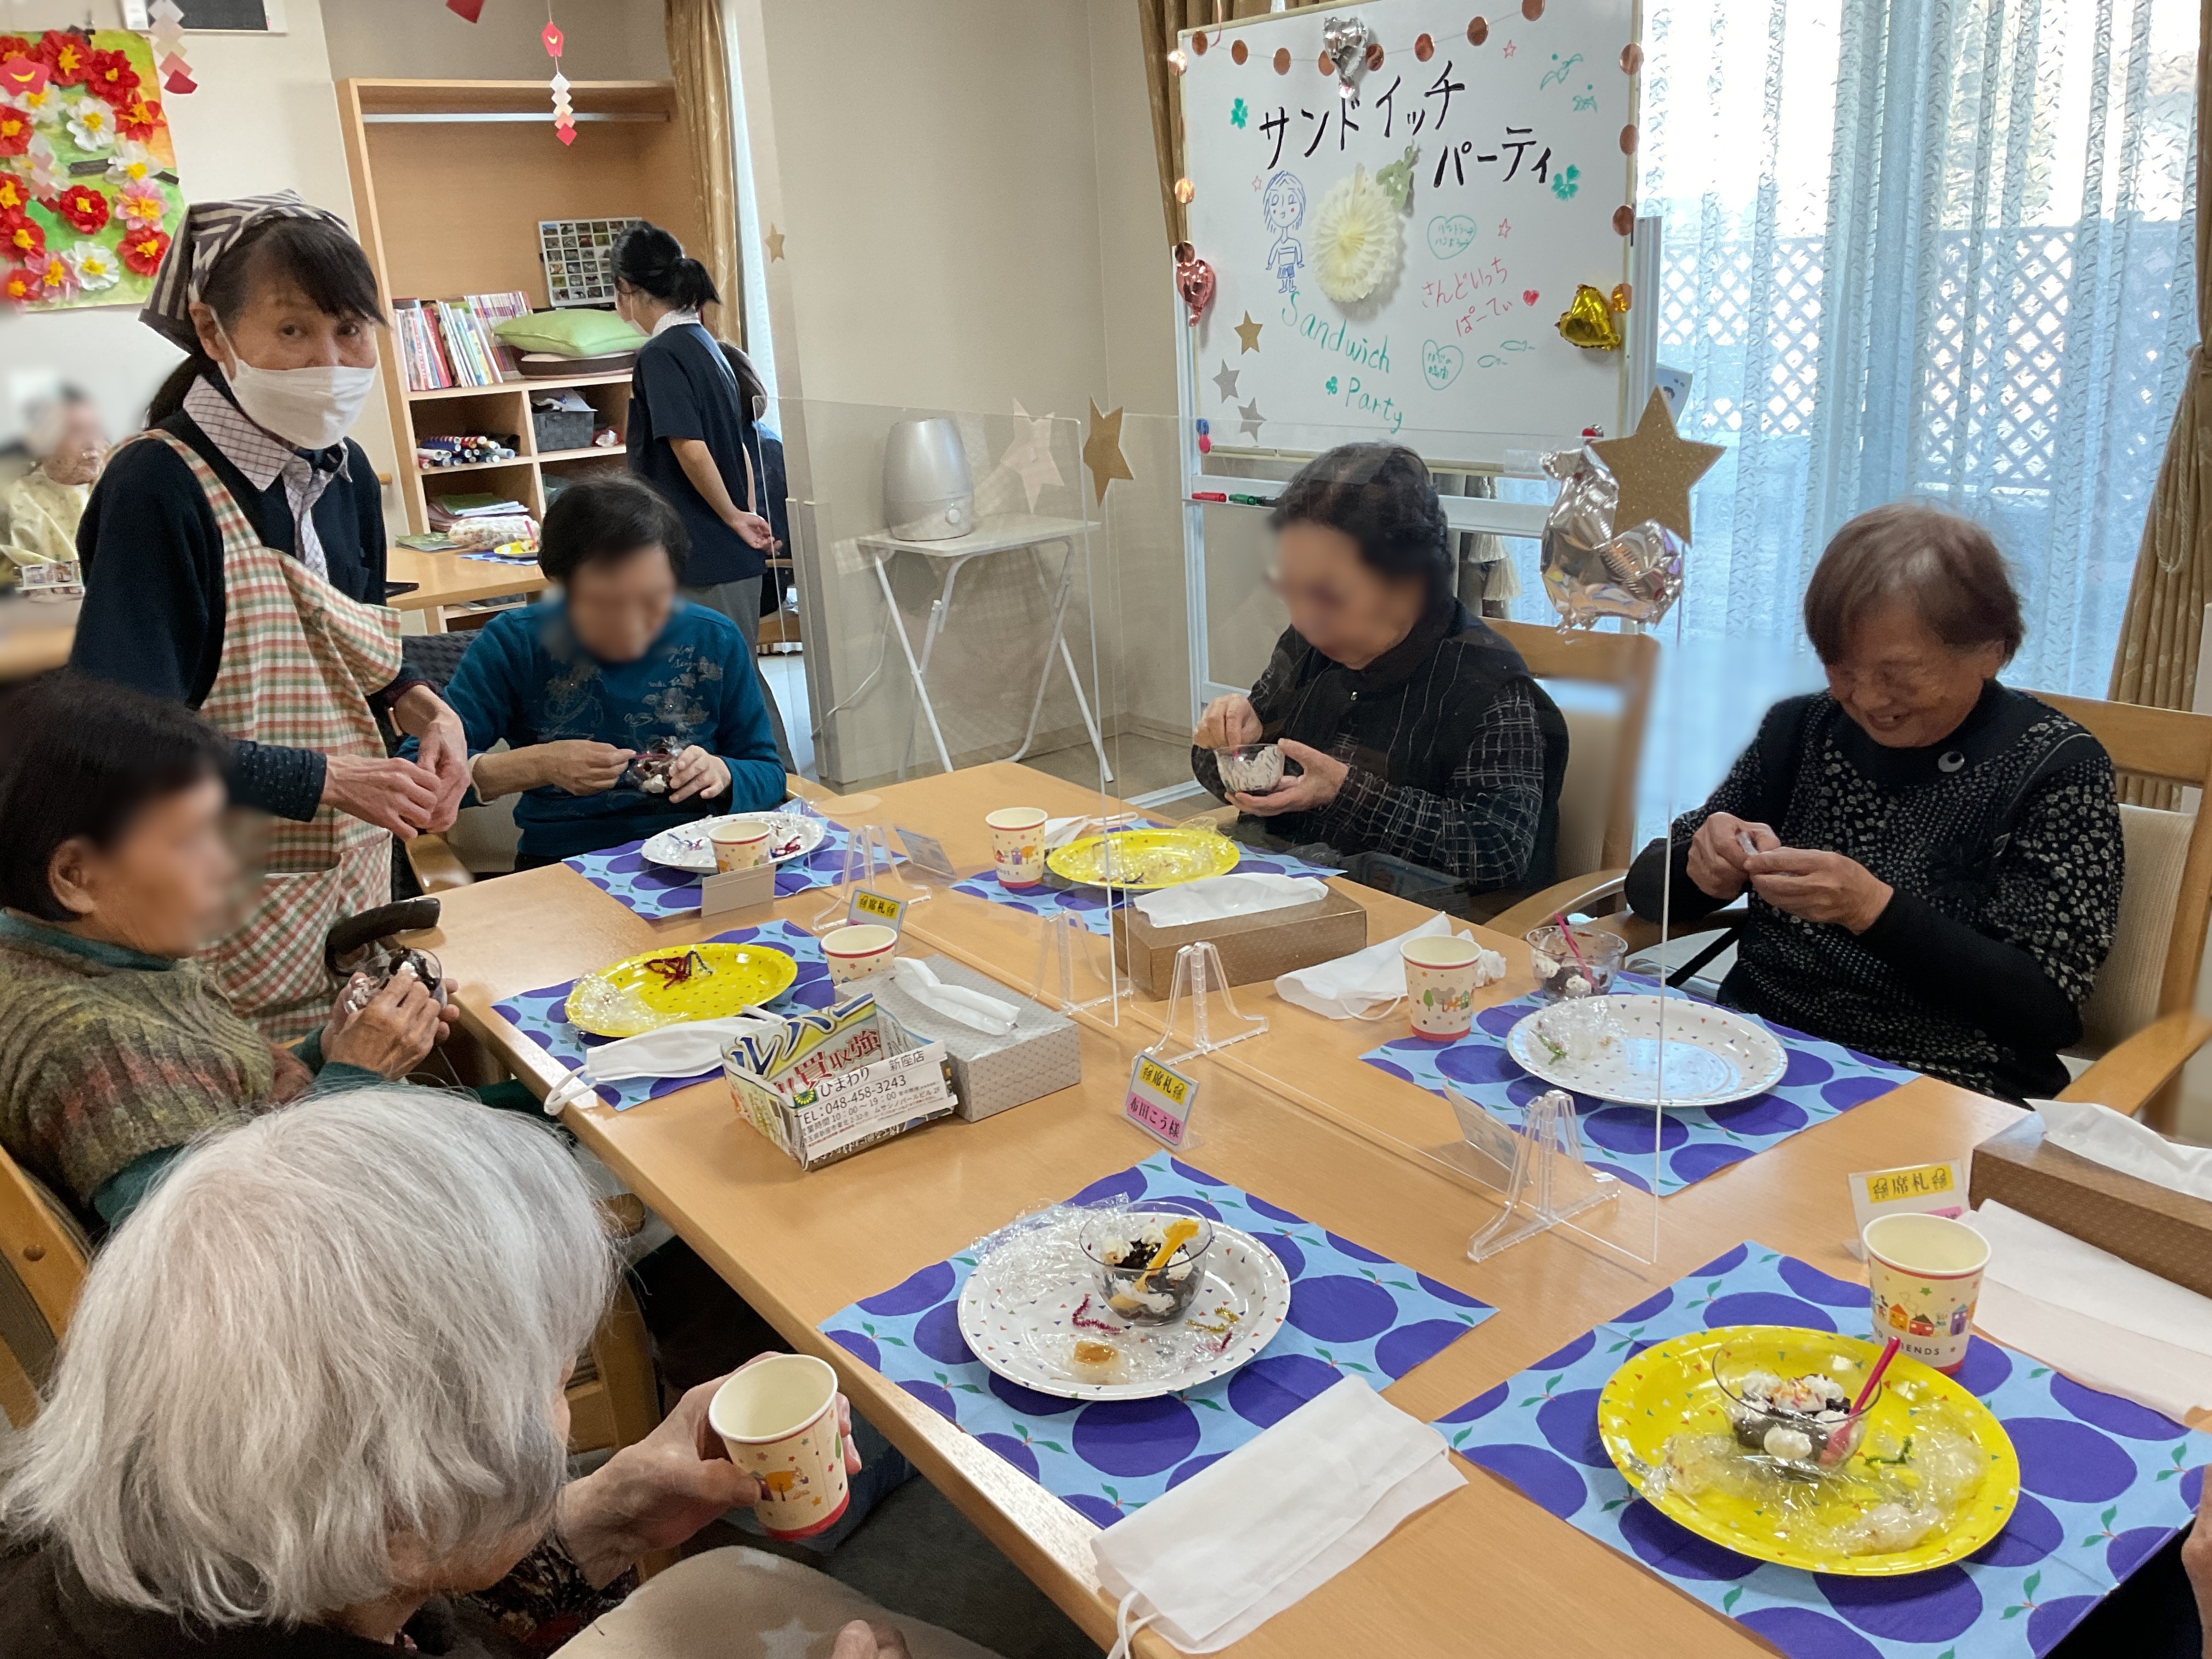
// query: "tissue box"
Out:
[1262,946]
[2158,1230]
[1041,1054]
[832,1083]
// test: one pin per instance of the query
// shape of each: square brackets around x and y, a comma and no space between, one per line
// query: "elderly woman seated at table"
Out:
[116,1049]
[1428,762]
[583,688]
[319,1379]
[1934,860]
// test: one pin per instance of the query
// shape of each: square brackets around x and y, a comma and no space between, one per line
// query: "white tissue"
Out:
[2118,1142]
[955,1002]
[1365,984]
[1218,897]
[1057,832]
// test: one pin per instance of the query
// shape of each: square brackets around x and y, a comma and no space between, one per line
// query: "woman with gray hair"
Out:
[1934,860]
[317,1379]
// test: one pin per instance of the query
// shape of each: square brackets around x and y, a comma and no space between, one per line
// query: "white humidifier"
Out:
[929,494]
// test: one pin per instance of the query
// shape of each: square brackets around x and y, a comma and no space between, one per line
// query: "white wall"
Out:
[415,40]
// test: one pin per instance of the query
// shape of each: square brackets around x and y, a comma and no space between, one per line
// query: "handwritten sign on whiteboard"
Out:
[1516,149]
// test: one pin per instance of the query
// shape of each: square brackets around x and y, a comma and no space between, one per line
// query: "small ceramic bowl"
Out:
[1250,768]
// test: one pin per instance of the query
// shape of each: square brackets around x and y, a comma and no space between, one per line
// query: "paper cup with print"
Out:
[778,1416]
[1440,975]
[739,843]
[859,952]
[1018,845]
[1926,1271]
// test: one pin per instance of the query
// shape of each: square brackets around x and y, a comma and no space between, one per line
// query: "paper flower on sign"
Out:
[1029,456]
[21,238]
[85,208]
[94,266]
[1593,570]
[142,206]
[1356,239]
[68,57]
[140,119]
[141,250]
[131,164]
[19,286]
[91,123]
[110,78]
[56,281]
[15,132]
[15,195]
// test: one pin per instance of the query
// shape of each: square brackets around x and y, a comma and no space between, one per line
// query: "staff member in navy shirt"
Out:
[688,427]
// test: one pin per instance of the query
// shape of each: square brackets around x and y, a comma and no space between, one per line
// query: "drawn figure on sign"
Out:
[1284,205]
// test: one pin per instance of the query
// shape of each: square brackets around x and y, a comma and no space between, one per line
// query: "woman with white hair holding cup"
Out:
[317,1380]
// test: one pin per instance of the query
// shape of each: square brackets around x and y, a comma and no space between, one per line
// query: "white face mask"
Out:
[689,1049]
[311,408]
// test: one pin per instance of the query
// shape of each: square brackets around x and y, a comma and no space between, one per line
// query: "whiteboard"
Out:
[1523,133]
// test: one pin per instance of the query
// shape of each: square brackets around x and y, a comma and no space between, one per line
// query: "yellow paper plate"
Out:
[1669,1390]
[629,997]
[1144,859]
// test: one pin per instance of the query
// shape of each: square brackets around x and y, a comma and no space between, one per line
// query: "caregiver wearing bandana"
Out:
[235,561]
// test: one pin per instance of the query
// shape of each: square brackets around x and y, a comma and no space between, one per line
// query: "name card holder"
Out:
[738,889]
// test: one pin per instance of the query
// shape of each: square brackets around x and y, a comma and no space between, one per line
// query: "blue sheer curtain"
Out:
[1938,250]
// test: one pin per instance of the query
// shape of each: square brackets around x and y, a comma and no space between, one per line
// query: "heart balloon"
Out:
[1343,42]
[1588,322]
[1193,280]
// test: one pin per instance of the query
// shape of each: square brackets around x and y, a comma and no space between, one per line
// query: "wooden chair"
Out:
[2139,1026]
[1597,802]
[613,1398]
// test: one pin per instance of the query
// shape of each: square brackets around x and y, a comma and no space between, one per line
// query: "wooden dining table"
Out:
[1292,1115]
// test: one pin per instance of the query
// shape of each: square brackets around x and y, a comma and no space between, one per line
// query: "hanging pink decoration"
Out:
[168,38]
[1193,280]
[468,10]
[564,108]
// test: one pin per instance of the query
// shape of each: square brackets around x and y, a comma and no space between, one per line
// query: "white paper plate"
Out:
[1023,1330]
[686,846]
[1713,1055]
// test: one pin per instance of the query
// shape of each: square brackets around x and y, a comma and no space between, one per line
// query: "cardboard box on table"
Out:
[855,1077]
[2157,1229]
[1041,1055]
[1262,946]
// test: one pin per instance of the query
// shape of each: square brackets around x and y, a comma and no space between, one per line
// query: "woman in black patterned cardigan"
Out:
[1934,860]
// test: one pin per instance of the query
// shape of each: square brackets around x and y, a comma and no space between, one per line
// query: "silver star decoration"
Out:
[1029,456]
[1250,418]
[1227,381]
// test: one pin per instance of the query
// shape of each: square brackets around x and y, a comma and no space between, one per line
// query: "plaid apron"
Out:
[300,661]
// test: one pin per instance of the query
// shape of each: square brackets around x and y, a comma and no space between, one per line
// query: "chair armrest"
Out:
[1560,898]
[436,865]
[2139,1066]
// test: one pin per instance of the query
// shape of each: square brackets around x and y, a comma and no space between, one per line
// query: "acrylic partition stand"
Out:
[1545,1180]
[1196,966]
[1063,944]
[870,864]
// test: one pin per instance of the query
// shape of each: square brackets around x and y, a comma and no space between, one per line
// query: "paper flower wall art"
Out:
[91,123]
[143,250]
[1356,239]
[94,266]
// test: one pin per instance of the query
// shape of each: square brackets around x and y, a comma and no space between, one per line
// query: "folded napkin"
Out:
[955,1002]
[2118,1142]
[1057,832]
[2102,1321]
[1367,984]
[1217,897]
[1213,1559]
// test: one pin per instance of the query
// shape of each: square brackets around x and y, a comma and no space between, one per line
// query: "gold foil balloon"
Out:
[1193,280]
[1588,322]
[1593,570]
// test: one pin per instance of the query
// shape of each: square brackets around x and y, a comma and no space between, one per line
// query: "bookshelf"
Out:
[450,179]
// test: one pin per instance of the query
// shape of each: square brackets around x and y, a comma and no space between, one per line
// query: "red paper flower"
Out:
[15,194]
[109,77]
[85,208]
[140,119]
[20,238]
[20,285]
[14,130]
[143,250]
[67,56]
[16,46]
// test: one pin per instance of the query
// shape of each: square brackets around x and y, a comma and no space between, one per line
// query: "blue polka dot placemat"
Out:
[1094,904]
[2105,1483]
[542,1015]
[654,891]
[1823,1079]
[1351,1311]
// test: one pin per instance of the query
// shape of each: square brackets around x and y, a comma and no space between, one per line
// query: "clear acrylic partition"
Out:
[952,603]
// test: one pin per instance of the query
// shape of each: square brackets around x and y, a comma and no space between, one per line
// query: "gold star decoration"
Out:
[1655,470]
[1249,332]
[775,240]
[1102,451]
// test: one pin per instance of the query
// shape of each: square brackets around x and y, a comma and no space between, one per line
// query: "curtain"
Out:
[1938,250]
[699,60]
[2157,660]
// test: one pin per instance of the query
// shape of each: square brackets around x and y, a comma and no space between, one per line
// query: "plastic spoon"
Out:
[1559,919]
[1173,1237]
[1833,1452]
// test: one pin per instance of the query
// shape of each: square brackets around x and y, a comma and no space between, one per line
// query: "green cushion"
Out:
[570,333]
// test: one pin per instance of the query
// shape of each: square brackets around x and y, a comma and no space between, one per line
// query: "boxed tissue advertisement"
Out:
[1041,1054]
[831,1083]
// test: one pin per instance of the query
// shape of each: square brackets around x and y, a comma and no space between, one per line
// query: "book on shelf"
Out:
[424,364]
[444,343]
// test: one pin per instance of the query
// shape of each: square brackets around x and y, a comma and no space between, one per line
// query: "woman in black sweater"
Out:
[1934,860]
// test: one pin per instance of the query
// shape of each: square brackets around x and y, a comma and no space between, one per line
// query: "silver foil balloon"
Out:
[1344,39]
[1591,570]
